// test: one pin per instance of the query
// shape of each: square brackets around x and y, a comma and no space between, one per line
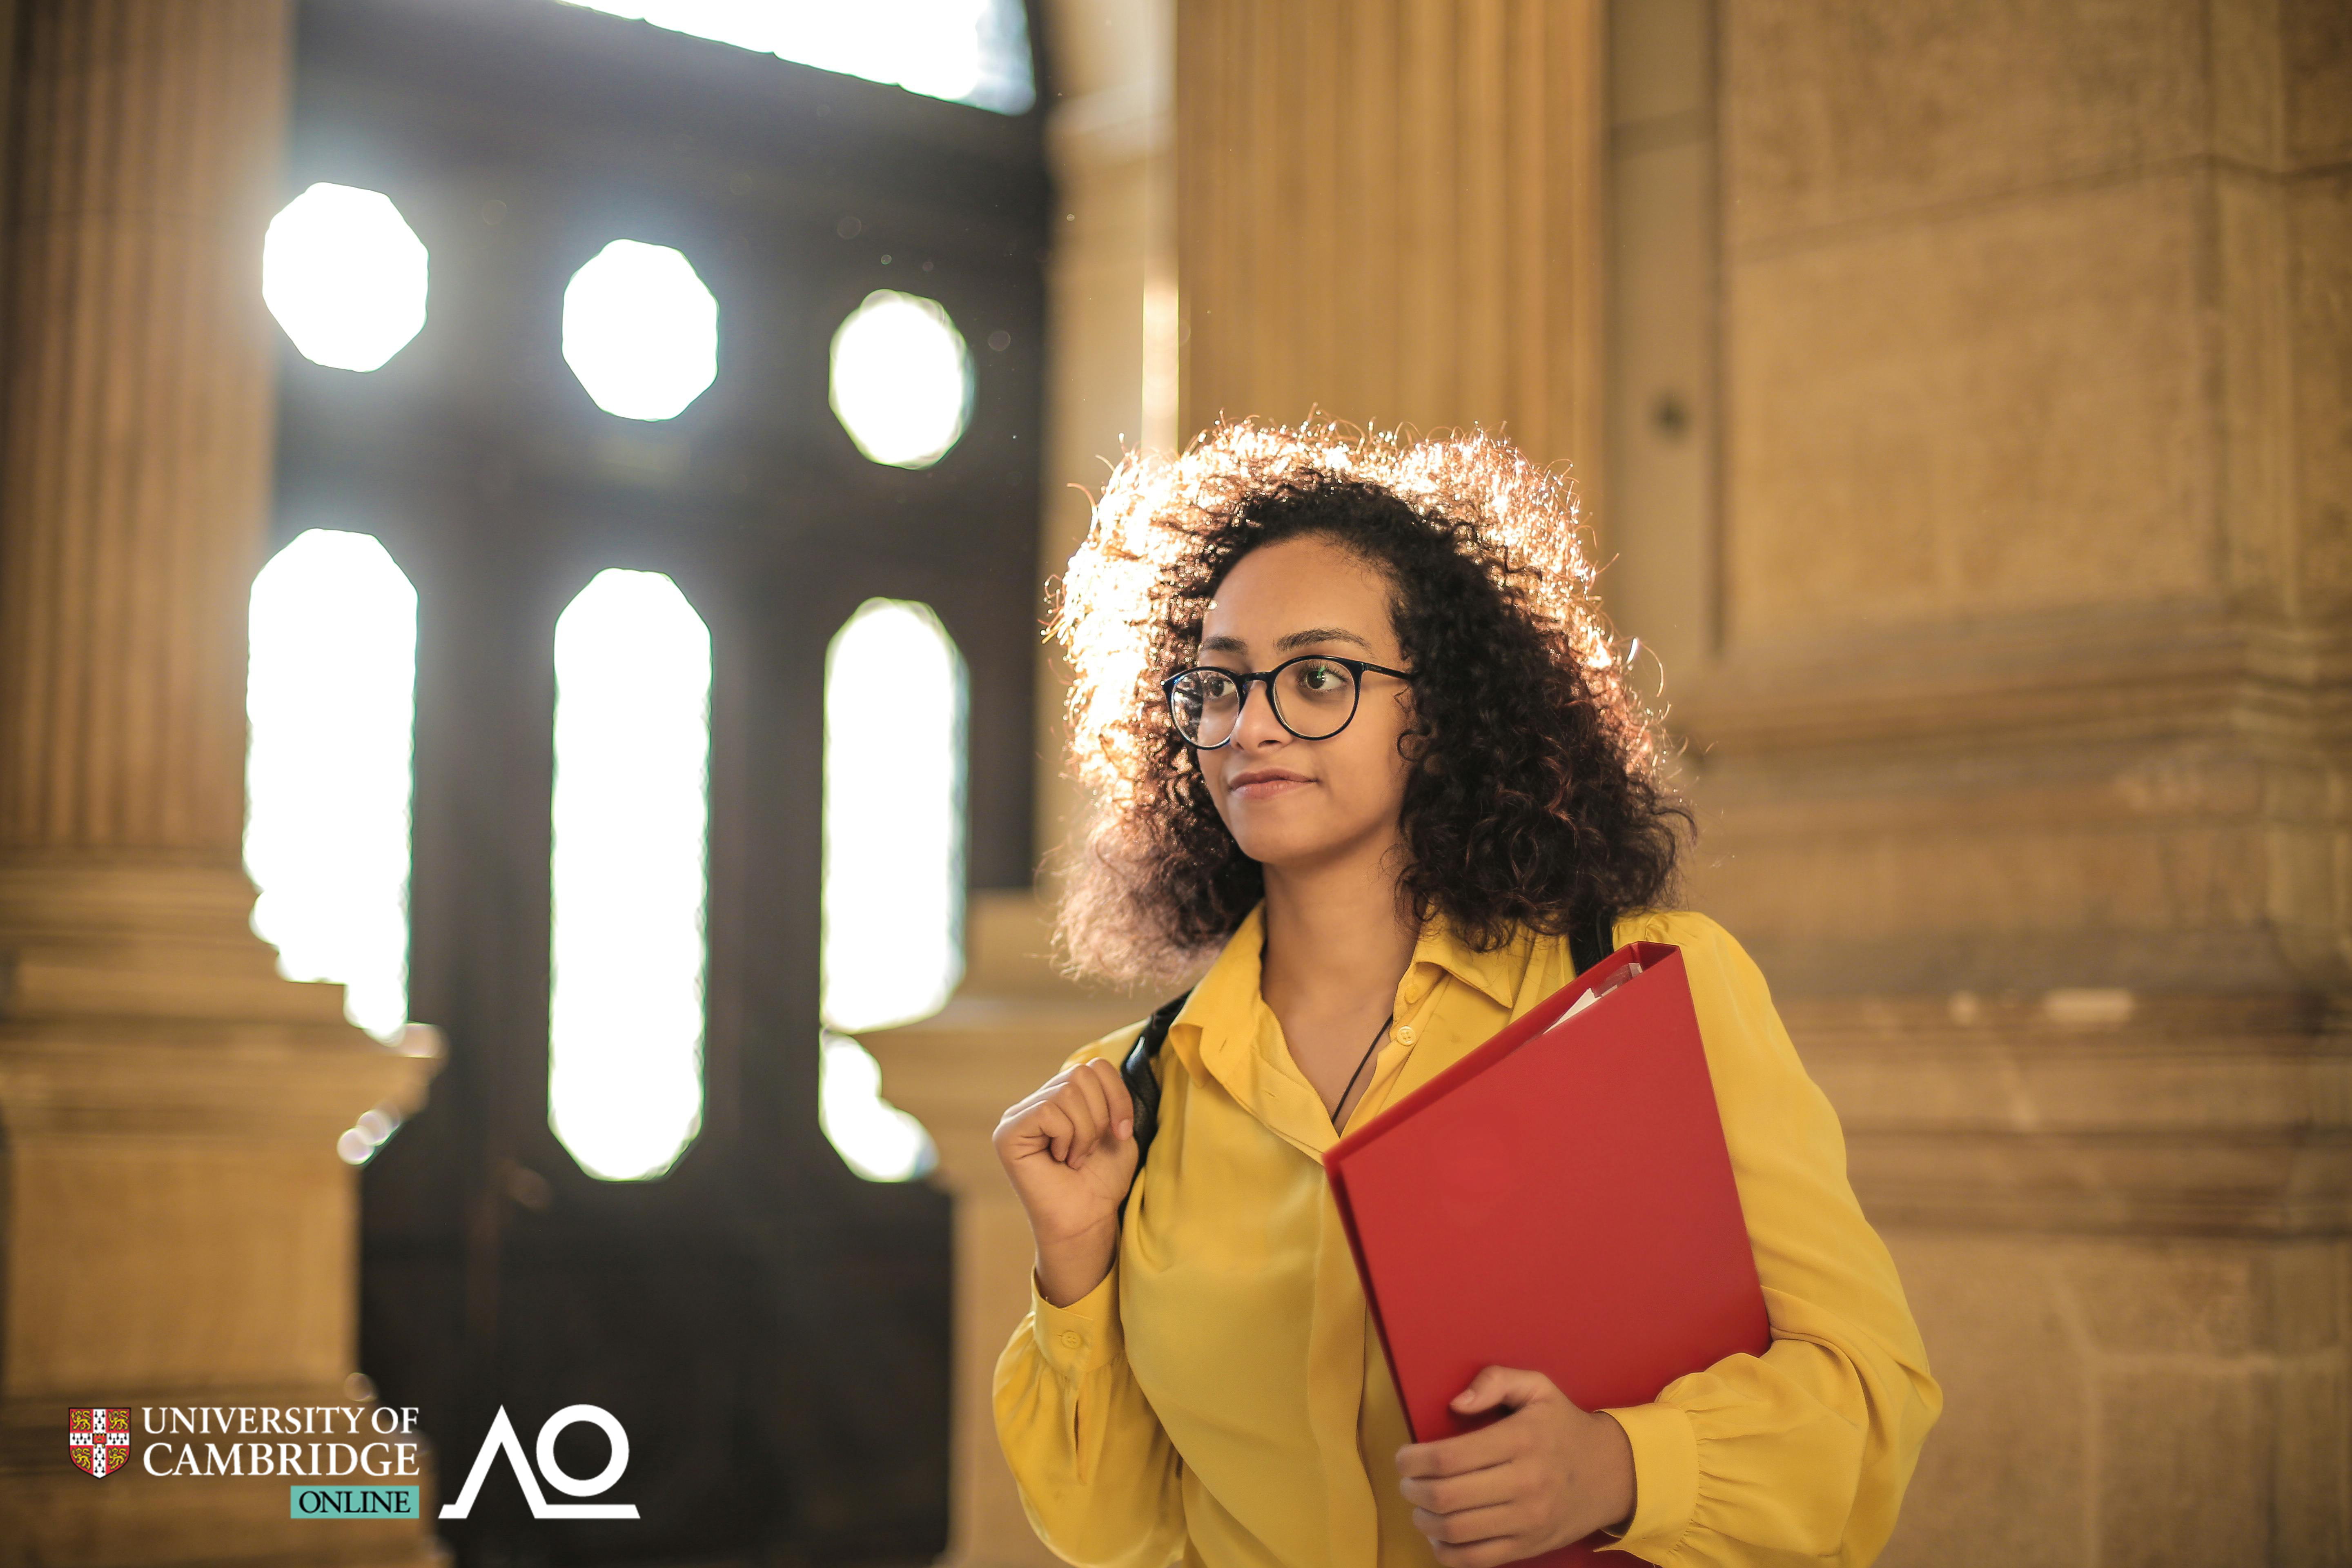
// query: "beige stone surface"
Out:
[2120,1400]
[1391,212]
[2006,1470]
[1841,113]
[2110,1400]
[1110,300]
[140,416]
[191,1305]
[2023,759]
[2003,411]
[2318,219]
[2315,53]
[1661,413]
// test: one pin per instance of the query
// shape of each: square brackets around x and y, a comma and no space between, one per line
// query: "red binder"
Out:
[1560,1199]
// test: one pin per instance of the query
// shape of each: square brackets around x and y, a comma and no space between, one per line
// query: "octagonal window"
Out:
[901,379]
[641,331]
[345,276]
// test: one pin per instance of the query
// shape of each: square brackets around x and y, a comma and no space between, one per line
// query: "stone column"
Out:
[178,1229]
[1998,563]
[1110,293]
[1006,1032]
[1389,210]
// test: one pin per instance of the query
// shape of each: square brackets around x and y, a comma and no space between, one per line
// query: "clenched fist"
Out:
[1070,1150]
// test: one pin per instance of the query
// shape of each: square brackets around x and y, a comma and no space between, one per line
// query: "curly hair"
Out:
[1534,800]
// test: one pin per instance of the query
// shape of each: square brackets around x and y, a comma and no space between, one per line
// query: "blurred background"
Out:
[526,747]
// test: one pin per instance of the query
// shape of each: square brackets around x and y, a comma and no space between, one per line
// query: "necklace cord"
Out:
[1341,1102]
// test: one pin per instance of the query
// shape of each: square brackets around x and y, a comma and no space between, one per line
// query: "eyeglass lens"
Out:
[1313,697]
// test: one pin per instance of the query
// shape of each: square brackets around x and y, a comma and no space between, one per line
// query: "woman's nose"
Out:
[1256,725]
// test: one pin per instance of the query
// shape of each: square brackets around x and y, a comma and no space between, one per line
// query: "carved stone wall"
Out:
[1995,570]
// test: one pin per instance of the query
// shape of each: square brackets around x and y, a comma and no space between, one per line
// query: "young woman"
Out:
[1358,742]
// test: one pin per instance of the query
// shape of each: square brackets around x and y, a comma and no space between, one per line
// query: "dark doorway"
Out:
[772,1331]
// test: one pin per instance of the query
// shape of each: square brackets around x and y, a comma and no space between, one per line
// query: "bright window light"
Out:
[872,1137]
[894,769]
[331,698]
[345,276]
[901,379]
[641,331]
[968,51]
[631,819]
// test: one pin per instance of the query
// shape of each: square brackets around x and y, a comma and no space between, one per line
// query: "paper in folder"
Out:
[1560,1199]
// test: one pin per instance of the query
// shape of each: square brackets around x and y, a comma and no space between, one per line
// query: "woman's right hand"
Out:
[1070,1150]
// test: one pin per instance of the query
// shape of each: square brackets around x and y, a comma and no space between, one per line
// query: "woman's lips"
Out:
[1264,784]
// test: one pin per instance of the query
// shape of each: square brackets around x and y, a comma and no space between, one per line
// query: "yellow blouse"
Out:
[1222,1397]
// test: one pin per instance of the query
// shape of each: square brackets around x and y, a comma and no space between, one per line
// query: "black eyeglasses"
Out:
[1313,695]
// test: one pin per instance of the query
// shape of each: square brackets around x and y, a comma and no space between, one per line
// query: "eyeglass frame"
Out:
[1354,666]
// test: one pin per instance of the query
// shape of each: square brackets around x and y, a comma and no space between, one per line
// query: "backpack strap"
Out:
[1143,1084]
[1588,944]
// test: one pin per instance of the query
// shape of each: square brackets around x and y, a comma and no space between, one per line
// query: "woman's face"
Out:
[1293,804]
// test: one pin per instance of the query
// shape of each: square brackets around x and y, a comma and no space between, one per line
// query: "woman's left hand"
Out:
[1544,1476]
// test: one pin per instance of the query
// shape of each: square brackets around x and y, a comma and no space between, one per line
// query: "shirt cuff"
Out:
[1666,1478]
[1084,1335]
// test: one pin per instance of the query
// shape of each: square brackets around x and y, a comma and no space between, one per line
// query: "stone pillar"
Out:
[1006,1032]
[178,1229]
[1996,558]
[1389,211]
[1110,295]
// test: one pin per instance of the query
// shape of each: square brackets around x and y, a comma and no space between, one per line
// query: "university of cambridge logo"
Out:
[100,1440]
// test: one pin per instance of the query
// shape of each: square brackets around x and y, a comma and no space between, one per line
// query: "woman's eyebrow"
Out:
[1321,634]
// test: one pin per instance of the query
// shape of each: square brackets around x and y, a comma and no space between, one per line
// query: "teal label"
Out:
[355,1503]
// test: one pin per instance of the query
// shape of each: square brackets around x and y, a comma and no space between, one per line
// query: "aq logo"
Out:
[501,1439]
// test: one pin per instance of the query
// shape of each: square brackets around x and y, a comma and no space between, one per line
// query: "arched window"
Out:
[894,872]
[631,818]
[894,751]
[331,694]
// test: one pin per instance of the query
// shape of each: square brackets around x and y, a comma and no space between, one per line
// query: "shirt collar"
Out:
[1224,1033]
[1497,973]
[1233,980]
[1218,1036]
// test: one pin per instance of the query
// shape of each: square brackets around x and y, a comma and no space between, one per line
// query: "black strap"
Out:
[1587,945]
[1143,1084]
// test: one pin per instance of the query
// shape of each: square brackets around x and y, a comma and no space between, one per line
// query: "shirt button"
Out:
[1070,1337]
[1404,1034]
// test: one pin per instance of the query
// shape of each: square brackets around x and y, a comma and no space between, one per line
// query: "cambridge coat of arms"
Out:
[100,1440]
